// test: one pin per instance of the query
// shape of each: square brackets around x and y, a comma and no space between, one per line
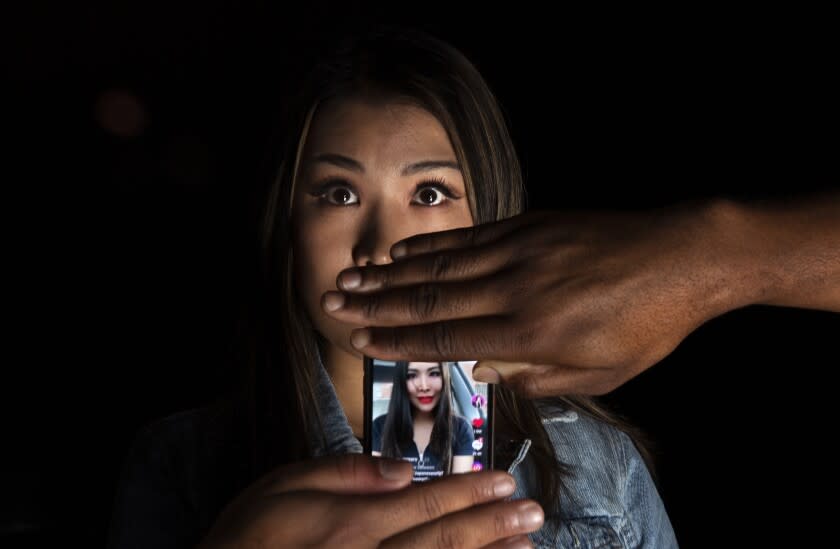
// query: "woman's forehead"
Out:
[423,365]
[371,131]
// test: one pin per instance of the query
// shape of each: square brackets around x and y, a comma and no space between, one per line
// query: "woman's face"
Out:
[424,382]
[371,174]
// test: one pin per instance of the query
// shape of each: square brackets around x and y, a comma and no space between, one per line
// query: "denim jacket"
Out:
[612,500]
[182,470]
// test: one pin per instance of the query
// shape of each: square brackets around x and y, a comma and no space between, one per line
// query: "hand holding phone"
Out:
[431,414]
[328,501]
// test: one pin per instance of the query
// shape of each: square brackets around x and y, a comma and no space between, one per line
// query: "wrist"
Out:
[737,269]
[782,253]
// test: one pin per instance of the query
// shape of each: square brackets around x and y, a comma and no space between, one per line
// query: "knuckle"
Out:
[347,468]
[480,492]
[531,385]
[511,289]
[472,262]
[502,524]
[442,339]
[384,277]
[423,301]
[440,267]
[432,505]
[370,306]
[396,343]
[450,537]
[526,385]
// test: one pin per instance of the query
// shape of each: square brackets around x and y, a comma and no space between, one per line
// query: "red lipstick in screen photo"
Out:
[425,400]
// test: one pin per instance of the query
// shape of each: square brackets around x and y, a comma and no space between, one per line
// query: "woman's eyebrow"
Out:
[427,165]
[339,160]
[429,369]
[348,163]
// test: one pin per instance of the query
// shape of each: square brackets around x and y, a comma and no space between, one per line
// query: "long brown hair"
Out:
[404,65]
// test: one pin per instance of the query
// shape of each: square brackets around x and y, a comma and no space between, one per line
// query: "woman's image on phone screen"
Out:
[432,414]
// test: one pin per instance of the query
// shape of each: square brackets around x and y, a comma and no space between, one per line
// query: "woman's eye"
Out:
[427,193]
[430,196]
[338,195]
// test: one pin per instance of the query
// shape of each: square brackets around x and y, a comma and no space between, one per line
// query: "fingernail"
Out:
[391,470]
[530,515]
[487,375]
[351,280]
[399,250]
[504,487]
[333,301]
[360,338]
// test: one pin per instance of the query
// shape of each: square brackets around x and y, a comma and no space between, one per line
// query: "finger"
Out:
[464,237]
[352,473]
[474,527]
[496,337]
[514,542]
[425,303]
[491,371]
[440,266]
[404,509]
[543,380]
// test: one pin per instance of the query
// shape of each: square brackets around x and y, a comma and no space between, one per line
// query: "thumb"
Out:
[497,371]
[351,473]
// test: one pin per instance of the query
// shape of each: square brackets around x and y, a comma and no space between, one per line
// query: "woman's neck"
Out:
[347,374]
[423,417]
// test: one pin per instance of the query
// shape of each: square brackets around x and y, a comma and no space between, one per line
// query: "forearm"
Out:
[782,252]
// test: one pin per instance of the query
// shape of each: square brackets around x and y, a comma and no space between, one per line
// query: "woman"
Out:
[394,134]
[420,426]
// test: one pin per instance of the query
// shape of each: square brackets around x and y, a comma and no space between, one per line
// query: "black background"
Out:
[126,255]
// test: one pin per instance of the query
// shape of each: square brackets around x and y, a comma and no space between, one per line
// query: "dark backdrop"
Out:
[137,140]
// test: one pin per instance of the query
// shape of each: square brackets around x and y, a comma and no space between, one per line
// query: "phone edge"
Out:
[368,404]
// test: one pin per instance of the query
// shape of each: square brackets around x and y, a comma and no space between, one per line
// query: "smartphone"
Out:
[432,414]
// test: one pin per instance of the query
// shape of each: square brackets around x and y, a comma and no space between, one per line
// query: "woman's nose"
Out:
[364,260]
[373,246]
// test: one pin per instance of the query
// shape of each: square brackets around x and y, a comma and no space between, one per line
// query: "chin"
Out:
[338,333]
[425,407]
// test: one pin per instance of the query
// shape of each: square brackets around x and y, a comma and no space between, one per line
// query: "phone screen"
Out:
[432,414]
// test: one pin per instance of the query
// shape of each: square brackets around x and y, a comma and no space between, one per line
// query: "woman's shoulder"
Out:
[596,454]
[461,423]
[607,481]
[462,429]
[575,433]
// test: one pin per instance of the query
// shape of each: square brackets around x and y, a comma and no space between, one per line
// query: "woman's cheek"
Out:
[319,269]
